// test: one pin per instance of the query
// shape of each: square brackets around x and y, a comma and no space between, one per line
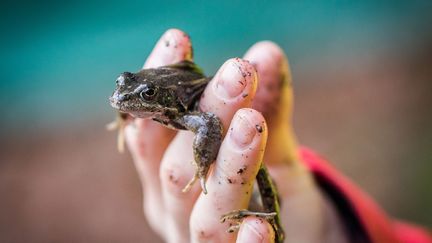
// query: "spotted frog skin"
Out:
[170,96]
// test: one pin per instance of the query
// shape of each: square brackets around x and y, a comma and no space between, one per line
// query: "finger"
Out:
[274,99]
[174,46]
[231,182]
[233,87]
[224,95]
[147,140]
[275,79]
[304,211]
[255,230]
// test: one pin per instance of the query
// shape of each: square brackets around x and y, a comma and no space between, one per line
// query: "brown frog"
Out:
[170,96]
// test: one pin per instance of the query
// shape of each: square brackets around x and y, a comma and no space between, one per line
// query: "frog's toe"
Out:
[118,125]
[203,184]
[112,125]
[121,140]
[234,228]
[190,183]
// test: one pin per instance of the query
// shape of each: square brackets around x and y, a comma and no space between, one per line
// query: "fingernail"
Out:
[242,132]
[232,79]
[248,233]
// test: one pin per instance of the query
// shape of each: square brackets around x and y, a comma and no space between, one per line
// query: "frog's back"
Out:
[184,80]
[179,74]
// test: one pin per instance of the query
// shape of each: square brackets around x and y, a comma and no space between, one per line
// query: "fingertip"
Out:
[174,46]
[252,115]
[255,229]
[274,78]
[242,150]
[235,76]
[267,50]
[241,154]
[232,88]
[270,45]
[246,126]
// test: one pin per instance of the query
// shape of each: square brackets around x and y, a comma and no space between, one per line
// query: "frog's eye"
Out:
[147,93]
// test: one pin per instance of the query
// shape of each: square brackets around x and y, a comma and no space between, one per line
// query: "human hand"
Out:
[162,156]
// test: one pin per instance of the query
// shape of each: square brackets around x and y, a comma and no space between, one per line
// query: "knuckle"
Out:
[174,177]
[201,232]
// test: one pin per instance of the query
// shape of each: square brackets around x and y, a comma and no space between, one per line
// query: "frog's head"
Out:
[139,97]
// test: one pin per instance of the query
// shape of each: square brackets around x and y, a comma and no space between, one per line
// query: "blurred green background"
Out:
[363,80]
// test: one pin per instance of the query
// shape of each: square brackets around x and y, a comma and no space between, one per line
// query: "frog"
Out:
[170,96]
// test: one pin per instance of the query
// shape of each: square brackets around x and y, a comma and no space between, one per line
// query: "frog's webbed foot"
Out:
[190,183]
[269,204]
[119,124]
[208,137]
[237,216]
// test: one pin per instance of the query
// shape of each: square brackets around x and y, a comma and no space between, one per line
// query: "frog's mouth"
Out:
[132,108]
[116,103]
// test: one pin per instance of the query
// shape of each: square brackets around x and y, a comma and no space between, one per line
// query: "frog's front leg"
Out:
[208,137]
[119,124]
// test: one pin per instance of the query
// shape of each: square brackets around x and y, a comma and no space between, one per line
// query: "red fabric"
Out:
[411,234]
[377,225]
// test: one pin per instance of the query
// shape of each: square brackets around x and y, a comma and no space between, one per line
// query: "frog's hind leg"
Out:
[119,124]
[242,213]
[270,205]
[208,137]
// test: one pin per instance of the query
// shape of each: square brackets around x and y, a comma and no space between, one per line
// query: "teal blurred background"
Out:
[362,73]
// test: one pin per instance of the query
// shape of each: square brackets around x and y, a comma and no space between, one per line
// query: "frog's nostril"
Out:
[117,97]
[123,78]
[122,97]
[120,80]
